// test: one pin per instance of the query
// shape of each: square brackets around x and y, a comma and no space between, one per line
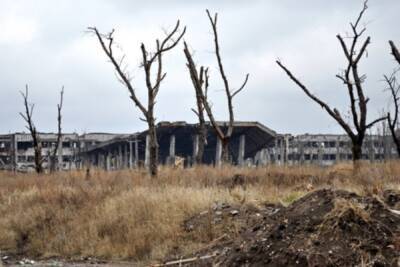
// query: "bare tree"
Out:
[354,83]
[169,42]
[200,83]
[37,145]
[223,136]
[393,123]
[58,145]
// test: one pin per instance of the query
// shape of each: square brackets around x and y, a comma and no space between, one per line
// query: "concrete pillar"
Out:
[130,155]
[286,149]
[320,153]
[218,153]
[147,153]
[108,161]
[263,157]
[337,144]
[242,144]
[171,158]
[120,158]
[136,153]
[195,146]
[301,151]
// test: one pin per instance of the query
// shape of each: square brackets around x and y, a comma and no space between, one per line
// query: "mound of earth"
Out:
[324,228]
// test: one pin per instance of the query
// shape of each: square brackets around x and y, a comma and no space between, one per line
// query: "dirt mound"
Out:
[324,228]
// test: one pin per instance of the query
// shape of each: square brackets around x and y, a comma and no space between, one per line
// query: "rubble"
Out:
[324,228]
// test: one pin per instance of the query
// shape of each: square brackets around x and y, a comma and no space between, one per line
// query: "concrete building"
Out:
[251,144]
[17,153]
[325,149]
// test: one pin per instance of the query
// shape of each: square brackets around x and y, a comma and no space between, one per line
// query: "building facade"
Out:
[325,149]
[17,152]
[251,144]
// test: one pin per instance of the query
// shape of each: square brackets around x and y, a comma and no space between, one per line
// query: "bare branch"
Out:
[334,113]
[109,52]
[395,51]
[241,87]
[369,125]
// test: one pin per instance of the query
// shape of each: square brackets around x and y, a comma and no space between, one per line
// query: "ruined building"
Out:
[17,153]
[251,144]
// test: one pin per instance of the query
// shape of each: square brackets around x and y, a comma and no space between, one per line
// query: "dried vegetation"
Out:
[127,215]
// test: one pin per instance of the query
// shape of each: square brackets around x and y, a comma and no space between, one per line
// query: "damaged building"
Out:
[325,149]
[17,152]
[180,140]
[251,144]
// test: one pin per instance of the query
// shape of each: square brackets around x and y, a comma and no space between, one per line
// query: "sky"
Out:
[45,44]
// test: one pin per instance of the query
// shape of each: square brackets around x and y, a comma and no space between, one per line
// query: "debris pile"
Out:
[324,228]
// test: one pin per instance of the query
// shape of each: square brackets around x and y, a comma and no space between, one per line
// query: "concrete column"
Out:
[125,156]
[337,144]
[101,161]
[301,151]
[136,153]
[120,158]
[242,143]
[286,150]
[218,153]
[262,157]
[130,155]
[195,146]
[171,157]
[147,153]
[15,144]
[267,156]
[108,161]
[320,153]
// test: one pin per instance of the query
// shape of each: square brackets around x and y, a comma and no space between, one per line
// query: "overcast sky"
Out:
[44,44]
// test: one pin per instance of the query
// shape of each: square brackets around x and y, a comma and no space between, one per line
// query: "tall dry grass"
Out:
[128,215]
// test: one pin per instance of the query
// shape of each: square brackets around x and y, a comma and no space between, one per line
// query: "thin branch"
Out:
[369,125]
[241,87]
[395,51]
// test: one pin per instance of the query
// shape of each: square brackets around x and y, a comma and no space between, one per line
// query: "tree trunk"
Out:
[356,150]
[38,157]
[52,163]
[396,140]
[225,150]
[201,144]
[153,151]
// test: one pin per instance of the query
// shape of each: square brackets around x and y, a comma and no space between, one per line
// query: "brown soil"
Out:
[324,228]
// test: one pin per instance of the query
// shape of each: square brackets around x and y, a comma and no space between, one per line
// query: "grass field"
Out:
[126,215]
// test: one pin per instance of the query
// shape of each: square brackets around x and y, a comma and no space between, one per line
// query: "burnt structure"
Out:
[180,140]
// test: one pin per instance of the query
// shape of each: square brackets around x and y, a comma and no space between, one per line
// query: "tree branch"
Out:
[395,51]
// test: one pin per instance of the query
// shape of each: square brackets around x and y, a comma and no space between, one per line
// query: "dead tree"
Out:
[354,83]
[58,144]
[393,122]
[169,42]
[200,83]
[37,145]
[223,136]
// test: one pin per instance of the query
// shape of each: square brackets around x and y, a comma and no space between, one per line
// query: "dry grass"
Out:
[128,215]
